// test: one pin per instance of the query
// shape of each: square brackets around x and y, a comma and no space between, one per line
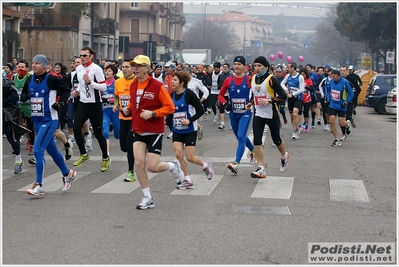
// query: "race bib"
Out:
[138,97]
[335,95]
[124,100]
[257,98]
[37,106]
[177,118]
[238,105]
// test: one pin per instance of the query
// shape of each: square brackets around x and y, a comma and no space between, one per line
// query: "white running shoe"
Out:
[36,190]
[177,172]
[260,173]
[284,162]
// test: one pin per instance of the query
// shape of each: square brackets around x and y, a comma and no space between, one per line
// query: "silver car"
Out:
[392,100]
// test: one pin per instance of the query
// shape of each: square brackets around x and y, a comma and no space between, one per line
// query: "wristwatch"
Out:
[154,114]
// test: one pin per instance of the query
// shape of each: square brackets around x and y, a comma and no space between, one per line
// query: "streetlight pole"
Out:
[203,39]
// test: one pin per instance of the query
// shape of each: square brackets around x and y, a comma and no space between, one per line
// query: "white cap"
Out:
[351,67]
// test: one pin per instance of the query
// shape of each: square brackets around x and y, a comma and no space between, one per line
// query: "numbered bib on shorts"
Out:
[37,106]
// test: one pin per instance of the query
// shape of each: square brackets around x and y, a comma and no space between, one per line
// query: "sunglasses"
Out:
[84,55]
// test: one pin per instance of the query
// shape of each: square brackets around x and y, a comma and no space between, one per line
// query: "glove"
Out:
[24,97]
[228,107]
[344,104]
[58,105]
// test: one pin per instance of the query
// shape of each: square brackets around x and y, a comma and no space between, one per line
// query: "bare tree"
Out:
[215,35]
[331,46]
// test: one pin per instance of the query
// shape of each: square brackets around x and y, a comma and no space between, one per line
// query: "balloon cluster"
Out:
[288,58]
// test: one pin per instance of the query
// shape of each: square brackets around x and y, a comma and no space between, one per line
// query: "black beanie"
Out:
[262,60]
[239,59]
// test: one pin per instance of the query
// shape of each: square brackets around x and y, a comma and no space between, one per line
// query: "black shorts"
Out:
[153,142]
[294,103]
[188,139]
[334,112]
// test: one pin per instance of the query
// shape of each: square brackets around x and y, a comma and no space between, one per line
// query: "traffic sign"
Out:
[390,57]
[306,45]
[45,4]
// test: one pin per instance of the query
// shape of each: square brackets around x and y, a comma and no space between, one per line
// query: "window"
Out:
[134,4]
[135,30]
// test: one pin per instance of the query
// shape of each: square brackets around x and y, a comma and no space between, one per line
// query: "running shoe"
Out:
[31,150]
[68,180]
[300,128]
[221,126]
[230,127]
[71,138]
[328,128]
[36,190]
[295,135]
[313,125]
[353,122]
[306,128]
[284,162]
[325,127]
[80,160]
[336,143]
[260,173]
[200,132]
[105,164]
[215,118]
[88,141]
[177,172]
[185,185]
[344,137]
[27,144]
[252,159]
[68,150]
[130,177]
[18,167]
[170,135]
[349,128]
[208,170]
[32,161]
[233,166]
[146,203]
[318,122]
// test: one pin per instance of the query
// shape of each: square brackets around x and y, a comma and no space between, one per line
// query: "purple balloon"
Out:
[289,59]
[280,55]
[301,58]
[272,57]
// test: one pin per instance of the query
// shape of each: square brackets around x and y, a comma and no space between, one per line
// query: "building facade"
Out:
[114,30]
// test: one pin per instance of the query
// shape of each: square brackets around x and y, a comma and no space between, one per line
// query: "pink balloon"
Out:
[272,57]
[289,59]
[280,55]
[301,58]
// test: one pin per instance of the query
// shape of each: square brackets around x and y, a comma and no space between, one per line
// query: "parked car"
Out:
[377,91]
[392,101]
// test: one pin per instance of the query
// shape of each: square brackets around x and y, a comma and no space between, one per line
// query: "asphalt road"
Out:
[328,194]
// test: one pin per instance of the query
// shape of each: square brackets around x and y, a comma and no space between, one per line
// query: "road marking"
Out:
[53,182]
[118,186]
[8,173]
[274,187]
[261,209]
[202,186]
[347,190]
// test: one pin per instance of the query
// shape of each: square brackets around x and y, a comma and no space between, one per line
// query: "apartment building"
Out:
[114,30]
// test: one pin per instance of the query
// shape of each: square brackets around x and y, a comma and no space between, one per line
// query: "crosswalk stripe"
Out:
[53,182]
[347,190]
[8,173]
[202,186]
[118,186]
[274,187]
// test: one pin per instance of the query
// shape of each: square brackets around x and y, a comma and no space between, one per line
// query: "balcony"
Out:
[104,26]
[52,21]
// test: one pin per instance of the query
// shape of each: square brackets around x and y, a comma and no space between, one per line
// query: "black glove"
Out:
[344,104]
[228,107]
[24,98]
[58,105]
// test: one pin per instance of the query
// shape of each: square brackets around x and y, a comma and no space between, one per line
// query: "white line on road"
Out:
[274,187]
[347,190]
[118,186]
